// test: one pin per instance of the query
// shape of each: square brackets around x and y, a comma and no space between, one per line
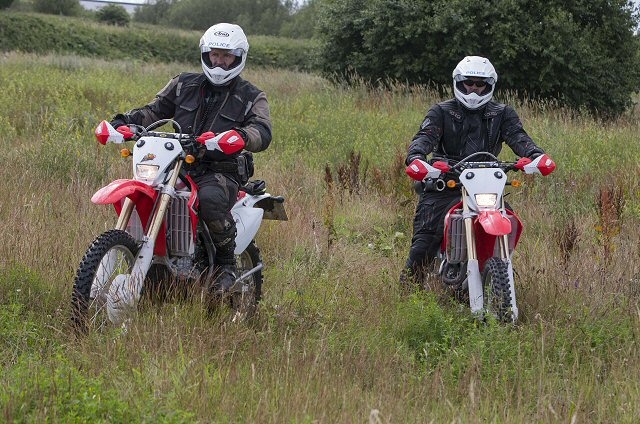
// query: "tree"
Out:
[303,21]
[254,16]
[153,13]
[5,4]
[113,14]
[58,7]
[582,53]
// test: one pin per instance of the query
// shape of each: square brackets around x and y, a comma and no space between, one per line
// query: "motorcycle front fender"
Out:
[494,223]
[117,190]
[143,196]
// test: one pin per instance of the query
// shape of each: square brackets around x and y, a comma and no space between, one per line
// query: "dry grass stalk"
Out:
[568,240]
[610,204]
[329,207]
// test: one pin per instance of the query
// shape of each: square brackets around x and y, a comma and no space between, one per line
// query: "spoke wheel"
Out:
[111,254]
[245,303]
[497,291]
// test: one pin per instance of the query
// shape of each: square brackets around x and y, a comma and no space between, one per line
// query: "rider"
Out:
[216,100]
[454,129]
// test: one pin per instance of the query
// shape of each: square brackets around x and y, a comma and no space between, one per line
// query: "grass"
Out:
[335,340]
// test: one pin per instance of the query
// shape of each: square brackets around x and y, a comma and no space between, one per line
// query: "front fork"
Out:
[145,254]
[474,278]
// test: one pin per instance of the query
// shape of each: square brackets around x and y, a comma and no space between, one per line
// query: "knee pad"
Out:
[220,226]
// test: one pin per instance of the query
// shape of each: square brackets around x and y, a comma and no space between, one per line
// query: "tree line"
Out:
[581,54]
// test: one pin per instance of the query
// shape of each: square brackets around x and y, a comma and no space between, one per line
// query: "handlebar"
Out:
[442,168]
[187,141]
[465,163]
[227,142]
[140,131]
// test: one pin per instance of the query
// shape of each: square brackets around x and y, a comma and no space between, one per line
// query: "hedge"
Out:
[37,33]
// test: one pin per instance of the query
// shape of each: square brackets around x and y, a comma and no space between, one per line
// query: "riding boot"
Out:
[225,261]
[408,283]
[225,278]
[416,275]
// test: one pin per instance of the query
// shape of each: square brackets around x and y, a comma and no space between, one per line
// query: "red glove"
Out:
[521,163]
[205,136]
[125,131]
[441,165]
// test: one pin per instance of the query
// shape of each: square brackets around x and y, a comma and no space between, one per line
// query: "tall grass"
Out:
[335,340]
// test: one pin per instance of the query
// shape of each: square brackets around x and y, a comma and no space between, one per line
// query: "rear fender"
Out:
[248,213]
[248,220]
[273,206]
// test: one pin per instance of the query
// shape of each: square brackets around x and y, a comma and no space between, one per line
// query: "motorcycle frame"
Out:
[152,205]
[484,241]
[145,255]
[490,230]
[145,210]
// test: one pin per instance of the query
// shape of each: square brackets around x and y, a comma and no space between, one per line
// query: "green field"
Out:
[335,340]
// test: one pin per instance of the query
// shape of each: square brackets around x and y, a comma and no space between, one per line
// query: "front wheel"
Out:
[497,290]
[245,302]
[111,254]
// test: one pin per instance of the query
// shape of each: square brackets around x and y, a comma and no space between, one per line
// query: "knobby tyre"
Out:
[497,291]
[245,303]
[112,253]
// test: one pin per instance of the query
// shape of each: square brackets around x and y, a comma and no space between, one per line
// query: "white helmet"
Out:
[474,66]
[228,37]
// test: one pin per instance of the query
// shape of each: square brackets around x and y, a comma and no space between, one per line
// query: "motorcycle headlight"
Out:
[147,172]
[486,199]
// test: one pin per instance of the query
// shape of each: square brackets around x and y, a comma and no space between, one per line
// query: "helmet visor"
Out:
[460,78]
[237,53]
[466,86]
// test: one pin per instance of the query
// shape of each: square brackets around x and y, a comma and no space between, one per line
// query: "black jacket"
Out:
[450,130]
[239,105]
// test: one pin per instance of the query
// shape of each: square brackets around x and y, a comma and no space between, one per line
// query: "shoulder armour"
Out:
[245,89]
[494,109]
[451,108]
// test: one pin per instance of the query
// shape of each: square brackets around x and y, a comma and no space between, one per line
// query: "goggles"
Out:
[471,83]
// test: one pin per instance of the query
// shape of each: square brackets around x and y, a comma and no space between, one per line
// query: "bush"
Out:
[154,14]
[263,17]
[113,14]
[583,54]
[5,4]
[58,7]
[44,34]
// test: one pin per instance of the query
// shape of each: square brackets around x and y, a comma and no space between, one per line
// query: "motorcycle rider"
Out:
[218,99]
[471,122]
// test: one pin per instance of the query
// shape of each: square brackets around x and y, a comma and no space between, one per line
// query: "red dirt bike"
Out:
[481,233]
[158,235]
